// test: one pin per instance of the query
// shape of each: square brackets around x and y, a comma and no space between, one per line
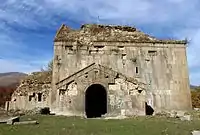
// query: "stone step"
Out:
[26,122]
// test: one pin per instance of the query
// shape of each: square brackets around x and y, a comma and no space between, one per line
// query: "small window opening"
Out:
[31,96]
[152,52]
[139,91]
[120,46]
[134,60]
[29,99]
[96,71]
[69,47]
[136,70]
[98,46]
[123,56]
[117,76]
[39,97]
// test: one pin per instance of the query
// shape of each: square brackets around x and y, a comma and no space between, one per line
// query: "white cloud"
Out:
[181,16]
[10,65]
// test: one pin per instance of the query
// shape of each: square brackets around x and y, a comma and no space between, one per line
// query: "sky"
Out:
[28,27]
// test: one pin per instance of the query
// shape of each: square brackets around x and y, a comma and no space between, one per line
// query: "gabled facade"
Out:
[121,94]
[117,70]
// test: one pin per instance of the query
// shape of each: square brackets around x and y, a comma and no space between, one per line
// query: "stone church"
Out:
[117,70]
[109,70]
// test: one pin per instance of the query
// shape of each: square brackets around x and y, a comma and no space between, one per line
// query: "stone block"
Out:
[186,118]
[13,120]
[195,132]
[123,112]
[180,113]
[196,109]
[114,87]
[72,92]
[26,122]
[119,81]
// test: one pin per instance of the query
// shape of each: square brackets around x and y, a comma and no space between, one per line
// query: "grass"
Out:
[60,125]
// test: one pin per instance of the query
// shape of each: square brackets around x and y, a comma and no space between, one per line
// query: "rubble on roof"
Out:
[37,81]
[89,33]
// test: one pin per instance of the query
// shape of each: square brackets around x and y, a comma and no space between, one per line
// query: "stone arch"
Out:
[96,101]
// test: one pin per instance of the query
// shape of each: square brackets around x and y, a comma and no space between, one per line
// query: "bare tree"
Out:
[50,66]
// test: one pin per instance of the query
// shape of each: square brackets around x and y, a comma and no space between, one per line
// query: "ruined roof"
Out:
[38,77]
[37,81]
[89,33]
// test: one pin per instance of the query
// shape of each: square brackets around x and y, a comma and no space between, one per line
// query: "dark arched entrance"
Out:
[149,110]
[95,101]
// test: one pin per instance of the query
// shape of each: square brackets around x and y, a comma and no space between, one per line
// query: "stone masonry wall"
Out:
[161,65]
[33,92]
[123,97]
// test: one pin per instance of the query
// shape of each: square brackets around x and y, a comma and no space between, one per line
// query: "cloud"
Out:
[27,26]
[21,65]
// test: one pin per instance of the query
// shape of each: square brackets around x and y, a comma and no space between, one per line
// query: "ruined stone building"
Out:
[117,70]
[32,93]
[112,70]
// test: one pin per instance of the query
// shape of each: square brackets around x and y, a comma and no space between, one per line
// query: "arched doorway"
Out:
[95,101]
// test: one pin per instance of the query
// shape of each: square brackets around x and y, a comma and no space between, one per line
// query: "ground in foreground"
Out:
[60,125]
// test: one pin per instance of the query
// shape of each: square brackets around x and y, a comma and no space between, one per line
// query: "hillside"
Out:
[195,93]
[10,78]
[8,83]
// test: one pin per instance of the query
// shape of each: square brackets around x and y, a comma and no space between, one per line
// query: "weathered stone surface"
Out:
[26,122]
[92,32]
[37,81]
[136,71]
[133,67]
[33,92]
[197,109]
[12,120]
[186,118]
[195,132]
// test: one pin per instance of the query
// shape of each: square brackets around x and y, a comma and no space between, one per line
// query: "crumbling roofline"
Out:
[109,33]
[154,42]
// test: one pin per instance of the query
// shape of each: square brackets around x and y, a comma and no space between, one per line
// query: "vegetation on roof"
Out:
[89,33]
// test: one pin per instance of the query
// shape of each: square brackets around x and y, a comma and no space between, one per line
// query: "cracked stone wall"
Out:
[161,65]
[123,98]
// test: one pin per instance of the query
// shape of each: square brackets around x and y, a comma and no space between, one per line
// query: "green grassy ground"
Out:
[54,125]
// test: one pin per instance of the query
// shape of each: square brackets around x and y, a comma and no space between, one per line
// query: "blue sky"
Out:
[27,27]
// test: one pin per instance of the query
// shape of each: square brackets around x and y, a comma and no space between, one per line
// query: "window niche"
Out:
[57,60]
[69,48]
[134,60]
[39,97]
[31,97]
[123,56]
[120,47]
[62,91]
[136,70]
[152,52]
[98,46]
